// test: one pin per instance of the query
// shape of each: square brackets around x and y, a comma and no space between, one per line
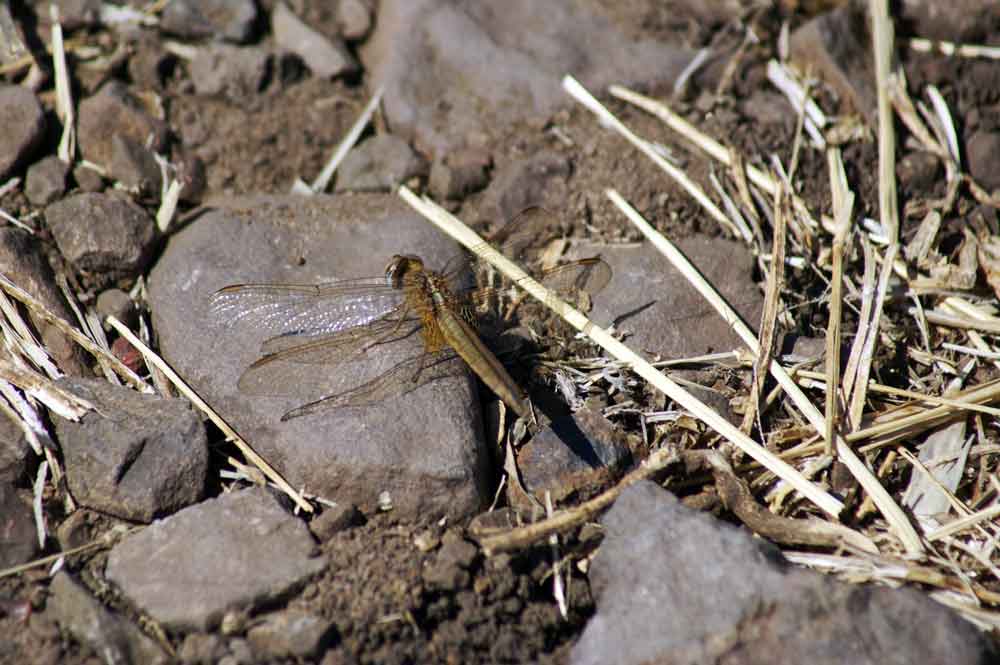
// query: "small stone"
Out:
[455,549]
[379,164]
[235,552]
[982,151]
[138,456]
[76,14]
[117,640]
[354,19]
[443,471]
[234,72]
[116,303]
[135,167]
[918,171]
[574,454]
[76,530]
[114,110]
[18,538]
[104,234]
[23,123]
[292,634]
[837,45]
[191,174]
[87,179]
[46,180]
[201,649]
[341,517]
[445,576]
[239,653]
[231,20]
[326,58]
[458,174]
[539,180]
[150,65]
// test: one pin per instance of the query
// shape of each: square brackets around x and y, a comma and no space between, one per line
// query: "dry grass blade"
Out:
[244,447]
[883,45]
[322,181]
[864,343]
[891,430]
[710,146]
[843,206]
[921,45]
[918,398]
[772,301]
[898,521]
[40,310]
[513,539]
[582,95]
[468,238]
[967,522]
[58,400]
[64,97]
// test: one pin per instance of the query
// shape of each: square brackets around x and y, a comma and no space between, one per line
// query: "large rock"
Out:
[673,585]
[238,551]
[425,447]
[456,69]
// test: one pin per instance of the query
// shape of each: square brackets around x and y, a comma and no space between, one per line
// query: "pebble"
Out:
[23,122]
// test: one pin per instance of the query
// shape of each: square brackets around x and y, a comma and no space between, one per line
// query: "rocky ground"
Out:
[161,543]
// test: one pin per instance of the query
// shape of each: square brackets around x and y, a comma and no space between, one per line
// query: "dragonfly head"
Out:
[399,266]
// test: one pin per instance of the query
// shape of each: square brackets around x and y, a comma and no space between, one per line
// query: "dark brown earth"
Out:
[415,592]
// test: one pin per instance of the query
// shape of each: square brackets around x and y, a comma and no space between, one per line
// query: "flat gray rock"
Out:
[424,447]
[497,63]
[138,456]
[110,635]
[238,551]
[662,313]
[673,585]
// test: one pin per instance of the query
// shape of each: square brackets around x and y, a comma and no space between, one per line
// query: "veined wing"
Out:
[308,309]
[283,365]
[404,377]
[520,239]
[588,275]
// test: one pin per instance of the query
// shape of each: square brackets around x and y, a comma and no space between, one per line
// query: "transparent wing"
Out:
[588,275]
[404,377]
[286,367]
[305,309]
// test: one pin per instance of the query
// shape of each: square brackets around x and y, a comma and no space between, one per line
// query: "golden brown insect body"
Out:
[444,323]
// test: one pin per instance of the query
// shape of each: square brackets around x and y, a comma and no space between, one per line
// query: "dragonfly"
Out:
[336,323]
